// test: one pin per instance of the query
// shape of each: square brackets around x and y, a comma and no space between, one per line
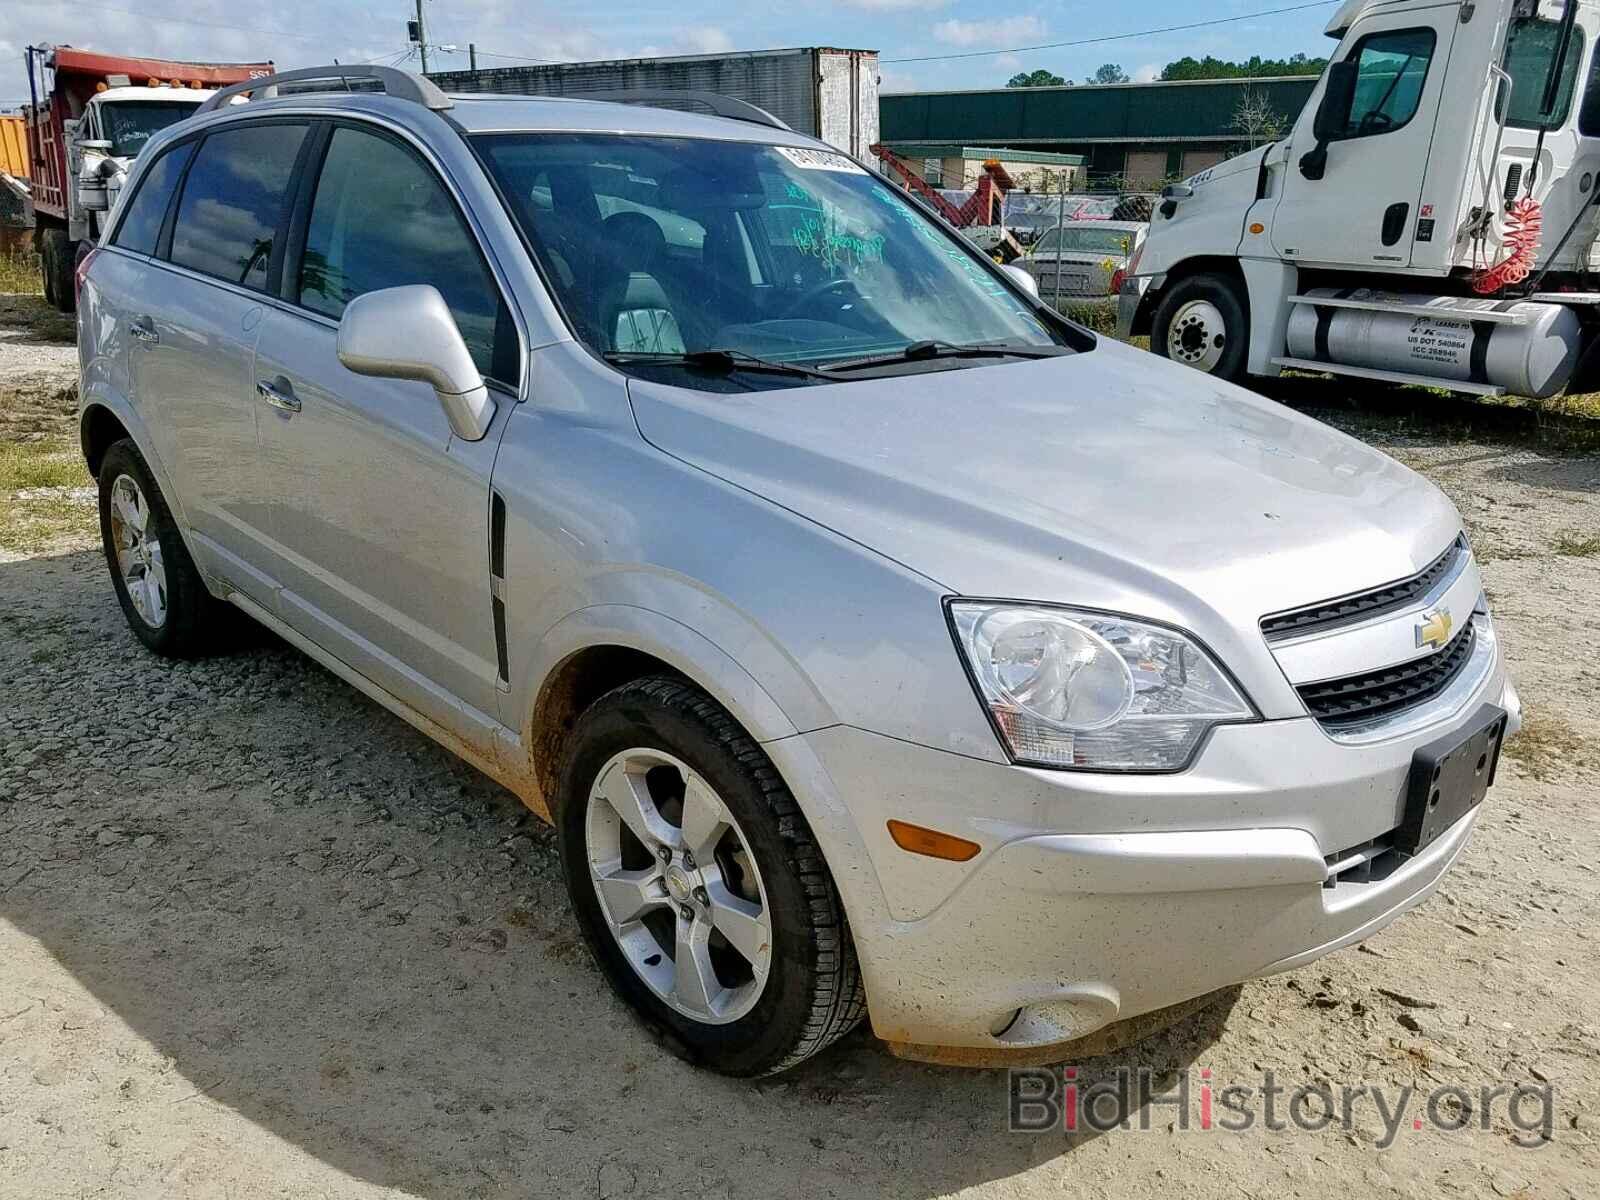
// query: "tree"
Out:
[1255,120]
[1039,78]
[1110,73]
[1254,67]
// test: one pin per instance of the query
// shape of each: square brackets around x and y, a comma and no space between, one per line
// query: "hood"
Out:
[1109,479]
[1250,160]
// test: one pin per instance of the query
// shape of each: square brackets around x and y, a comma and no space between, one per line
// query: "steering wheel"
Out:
[812,294]
[1376,121]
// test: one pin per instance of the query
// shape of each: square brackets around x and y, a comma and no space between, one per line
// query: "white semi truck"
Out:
[1431,218]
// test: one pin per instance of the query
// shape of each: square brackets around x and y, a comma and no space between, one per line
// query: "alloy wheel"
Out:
[678,886]
[139,558]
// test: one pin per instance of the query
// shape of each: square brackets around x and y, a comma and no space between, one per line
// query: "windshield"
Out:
[658,245]
[129,124]
[1087,241]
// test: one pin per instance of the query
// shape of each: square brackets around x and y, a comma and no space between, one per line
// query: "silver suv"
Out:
[878,642]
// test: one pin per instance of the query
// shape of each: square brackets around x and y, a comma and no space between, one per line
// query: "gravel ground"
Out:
[259,938]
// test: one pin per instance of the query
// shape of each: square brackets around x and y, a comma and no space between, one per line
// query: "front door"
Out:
[380,516]
[1363,210]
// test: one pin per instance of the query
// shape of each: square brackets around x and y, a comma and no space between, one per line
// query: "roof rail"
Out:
[401,84]
[723,106]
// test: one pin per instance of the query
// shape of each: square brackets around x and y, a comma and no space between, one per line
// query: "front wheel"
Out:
[698,884]
[1202,323]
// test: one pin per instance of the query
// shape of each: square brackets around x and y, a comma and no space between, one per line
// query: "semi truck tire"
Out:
[1202,322]
[55,262]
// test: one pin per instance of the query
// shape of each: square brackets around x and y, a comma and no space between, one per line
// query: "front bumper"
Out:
[1097,898]
[1128,301]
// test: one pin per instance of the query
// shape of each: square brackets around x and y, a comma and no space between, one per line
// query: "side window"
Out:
[1391,70]
[382,219]
[141,227]
[1530,53]
[1589,112]
[233,202]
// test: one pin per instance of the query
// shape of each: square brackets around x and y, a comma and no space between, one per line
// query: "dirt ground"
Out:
[258,938]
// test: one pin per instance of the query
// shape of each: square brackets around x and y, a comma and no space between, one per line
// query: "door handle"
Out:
[144,328]
[279,394]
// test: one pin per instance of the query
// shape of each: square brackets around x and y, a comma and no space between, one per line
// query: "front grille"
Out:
[1362,606]
[1356,699]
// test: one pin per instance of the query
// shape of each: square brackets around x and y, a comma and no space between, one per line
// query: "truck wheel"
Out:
[55,261]
[162,595]
[1202,322]
[698,884]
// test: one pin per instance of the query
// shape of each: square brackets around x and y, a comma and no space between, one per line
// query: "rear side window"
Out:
[1530,54]
[382,219]
[141,228]
[233,202]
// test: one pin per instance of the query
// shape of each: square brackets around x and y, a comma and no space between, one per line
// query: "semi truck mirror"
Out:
[1332,117]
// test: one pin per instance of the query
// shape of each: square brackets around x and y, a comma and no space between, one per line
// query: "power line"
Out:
[1113,37]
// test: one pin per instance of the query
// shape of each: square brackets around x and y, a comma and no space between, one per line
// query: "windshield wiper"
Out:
[927,350]
[723,361]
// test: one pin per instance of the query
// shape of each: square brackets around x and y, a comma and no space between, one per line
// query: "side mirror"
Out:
[1338,98]
[408,333]
[1332,117]
[1022,279]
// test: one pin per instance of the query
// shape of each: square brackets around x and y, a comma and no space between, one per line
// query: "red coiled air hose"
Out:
[1521,239]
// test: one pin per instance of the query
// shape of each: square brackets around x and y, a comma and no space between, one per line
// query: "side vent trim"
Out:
[497,584]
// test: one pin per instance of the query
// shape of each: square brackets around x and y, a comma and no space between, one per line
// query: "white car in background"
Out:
[1084,261]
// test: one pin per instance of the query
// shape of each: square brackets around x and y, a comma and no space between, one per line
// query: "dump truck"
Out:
[87,117]
[1431,218]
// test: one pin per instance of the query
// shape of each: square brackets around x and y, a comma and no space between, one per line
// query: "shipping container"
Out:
[827,93]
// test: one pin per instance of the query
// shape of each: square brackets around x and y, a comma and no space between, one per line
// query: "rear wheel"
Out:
[1202,323]
[55,262]
[698,884]
[157,584]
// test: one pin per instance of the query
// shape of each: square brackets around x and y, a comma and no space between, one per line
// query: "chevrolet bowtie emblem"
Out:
[1434,628]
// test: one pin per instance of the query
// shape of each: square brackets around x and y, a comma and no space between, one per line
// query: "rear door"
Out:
[380,517]
[194,337]
[1364,208]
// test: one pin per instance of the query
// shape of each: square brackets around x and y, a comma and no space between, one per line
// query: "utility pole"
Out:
[422,38]
[472,55]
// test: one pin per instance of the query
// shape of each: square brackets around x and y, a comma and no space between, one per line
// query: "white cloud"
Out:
[707,39]
[989,33]
[1148,73]
[894,5]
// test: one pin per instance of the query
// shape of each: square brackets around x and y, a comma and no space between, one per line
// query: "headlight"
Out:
[1093,691]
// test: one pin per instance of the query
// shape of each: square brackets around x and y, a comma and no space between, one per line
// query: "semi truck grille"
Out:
[1362,606]
[1372,695]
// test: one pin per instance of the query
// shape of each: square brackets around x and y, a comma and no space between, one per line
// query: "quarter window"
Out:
[233,202]
[382,219]
[141,228]
[1391,70]
[1530,53]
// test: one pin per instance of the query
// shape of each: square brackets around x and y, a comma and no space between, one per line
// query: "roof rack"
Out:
[722,106]
[401,84]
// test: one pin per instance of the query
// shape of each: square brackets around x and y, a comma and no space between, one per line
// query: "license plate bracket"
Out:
[1449,778]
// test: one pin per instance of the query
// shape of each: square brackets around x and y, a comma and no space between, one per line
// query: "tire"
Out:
[180,619]
[811,993]
[55,259]
[1186,330]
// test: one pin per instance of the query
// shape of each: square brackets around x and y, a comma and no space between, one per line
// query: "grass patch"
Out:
[1577,545]
[52,463]
[1545,745]
[30,313]
[45,522]
[19,273]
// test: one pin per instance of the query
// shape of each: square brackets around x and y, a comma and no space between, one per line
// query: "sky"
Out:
[312,32]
